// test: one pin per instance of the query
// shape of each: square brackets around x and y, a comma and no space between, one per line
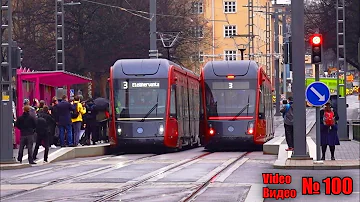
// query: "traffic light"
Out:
[287,52]
[316,46]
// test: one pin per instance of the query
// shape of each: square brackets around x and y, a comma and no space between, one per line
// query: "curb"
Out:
[67,153]
[13,166]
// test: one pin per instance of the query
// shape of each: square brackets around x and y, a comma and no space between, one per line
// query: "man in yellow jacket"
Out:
[76,122]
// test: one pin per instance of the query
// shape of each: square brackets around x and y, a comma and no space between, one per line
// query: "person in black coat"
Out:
[90,123]
[27,125]
[54,132]
[64,109]
[44,122]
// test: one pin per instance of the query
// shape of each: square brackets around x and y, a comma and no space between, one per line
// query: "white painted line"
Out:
[227,173]
[27,155]
[312,147]
[216,170]
[255,193]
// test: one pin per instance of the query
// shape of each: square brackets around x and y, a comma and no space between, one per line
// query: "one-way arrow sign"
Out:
[321,97]
[317,94]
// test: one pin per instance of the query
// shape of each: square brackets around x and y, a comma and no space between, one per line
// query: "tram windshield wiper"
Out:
[242,110]
[151,110]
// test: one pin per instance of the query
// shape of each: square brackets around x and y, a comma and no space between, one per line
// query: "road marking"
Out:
[216,170]
[255,193]
[39,151]
[227,173]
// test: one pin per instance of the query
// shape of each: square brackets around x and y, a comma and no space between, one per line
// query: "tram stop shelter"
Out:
[42,86]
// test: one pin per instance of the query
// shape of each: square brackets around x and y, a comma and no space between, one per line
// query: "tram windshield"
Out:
[140,99]
[228,98]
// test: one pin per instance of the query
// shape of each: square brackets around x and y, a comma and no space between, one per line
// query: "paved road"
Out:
[149,177]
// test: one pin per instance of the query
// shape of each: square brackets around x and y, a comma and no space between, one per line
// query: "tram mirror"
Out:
[347,105]
[261,115]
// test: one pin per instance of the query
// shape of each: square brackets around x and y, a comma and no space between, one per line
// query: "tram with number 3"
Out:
[154,102]
[237,101]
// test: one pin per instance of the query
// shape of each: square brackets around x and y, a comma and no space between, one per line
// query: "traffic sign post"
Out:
[317,94]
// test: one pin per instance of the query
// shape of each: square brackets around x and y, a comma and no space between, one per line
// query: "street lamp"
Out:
[60,31]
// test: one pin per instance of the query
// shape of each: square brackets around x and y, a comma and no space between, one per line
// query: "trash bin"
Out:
[356,130]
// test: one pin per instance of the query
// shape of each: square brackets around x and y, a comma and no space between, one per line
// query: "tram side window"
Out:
[173,101]
[262,102]
[179,102]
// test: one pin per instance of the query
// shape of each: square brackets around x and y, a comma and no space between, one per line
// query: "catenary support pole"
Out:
[298,63]
[153,27]
[277,72]
[6,118]
[285,39]
[318,142]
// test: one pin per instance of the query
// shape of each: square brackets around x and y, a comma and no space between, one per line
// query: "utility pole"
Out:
[277,72]
[268,39]
[341,61]
[298,63]
[6,120]
[153,52]
[251,28]
[285,39]
[59,35]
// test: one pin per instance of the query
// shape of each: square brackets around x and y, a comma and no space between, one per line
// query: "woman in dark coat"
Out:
[329,134]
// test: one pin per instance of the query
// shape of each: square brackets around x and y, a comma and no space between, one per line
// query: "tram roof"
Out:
[148,67]
[247,68]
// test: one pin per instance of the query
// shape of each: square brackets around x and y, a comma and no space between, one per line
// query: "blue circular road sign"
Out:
[317,94]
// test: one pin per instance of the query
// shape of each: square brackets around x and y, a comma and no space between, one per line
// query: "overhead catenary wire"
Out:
[135,12]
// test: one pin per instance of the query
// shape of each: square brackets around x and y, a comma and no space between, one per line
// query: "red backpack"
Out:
[329,119]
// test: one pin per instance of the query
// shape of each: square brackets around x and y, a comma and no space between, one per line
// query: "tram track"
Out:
[201,188]
[136,183]
[69,179]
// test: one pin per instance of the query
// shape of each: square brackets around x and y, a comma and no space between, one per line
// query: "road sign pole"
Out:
[318,135]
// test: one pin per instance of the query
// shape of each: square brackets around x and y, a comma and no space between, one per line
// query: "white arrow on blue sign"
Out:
[317,94]
[72,92]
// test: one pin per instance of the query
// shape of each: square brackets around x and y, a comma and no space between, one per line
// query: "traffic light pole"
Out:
[298,61]
[318,136]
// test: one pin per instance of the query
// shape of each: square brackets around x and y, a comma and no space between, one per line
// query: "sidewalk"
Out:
[347,156]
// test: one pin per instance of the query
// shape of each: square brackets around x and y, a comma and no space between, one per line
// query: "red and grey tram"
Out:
[237,101]
[154,102]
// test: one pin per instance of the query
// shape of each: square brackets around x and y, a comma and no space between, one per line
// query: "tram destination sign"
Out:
[140,84]
[236,85]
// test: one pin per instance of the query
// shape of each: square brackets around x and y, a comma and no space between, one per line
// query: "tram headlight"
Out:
[161,129]
[119,130]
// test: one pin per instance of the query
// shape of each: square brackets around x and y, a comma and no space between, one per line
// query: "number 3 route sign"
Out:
[317,94]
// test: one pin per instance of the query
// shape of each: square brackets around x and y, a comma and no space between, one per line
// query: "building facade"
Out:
[233,28]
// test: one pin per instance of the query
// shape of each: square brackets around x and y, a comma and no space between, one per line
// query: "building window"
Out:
[197,32]
[230,30]
[197,7]
[201,56]
[230,55]
[229,6]
[198,57]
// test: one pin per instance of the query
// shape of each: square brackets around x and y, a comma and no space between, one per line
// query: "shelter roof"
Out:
[54,78]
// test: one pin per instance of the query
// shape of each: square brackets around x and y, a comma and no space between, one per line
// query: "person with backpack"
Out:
[77,118]
[288,115]
[328,130]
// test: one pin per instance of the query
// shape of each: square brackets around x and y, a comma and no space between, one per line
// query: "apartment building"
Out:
[230,31]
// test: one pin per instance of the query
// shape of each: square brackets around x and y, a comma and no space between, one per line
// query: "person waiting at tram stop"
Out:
[288,114]
[328,130]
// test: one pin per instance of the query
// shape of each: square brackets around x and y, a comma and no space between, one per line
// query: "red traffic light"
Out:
[316,39]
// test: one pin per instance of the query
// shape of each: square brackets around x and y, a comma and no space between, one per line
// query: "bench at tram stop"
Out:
[353,128]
